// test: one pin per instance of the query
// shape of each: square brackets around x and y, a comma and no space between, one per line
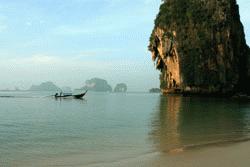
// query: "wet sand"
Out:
[233,155]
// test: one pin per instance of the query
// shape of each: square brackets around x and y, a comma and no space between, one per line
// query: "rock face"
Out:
[200,47]
[98,85]
[121,87]
[46,86]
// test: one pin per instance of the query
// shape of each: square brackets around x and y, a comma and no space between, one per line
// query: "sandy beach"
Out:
[233,155]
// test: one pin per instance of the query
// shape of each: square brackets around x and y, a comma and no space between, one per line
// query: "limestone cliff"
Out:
[97,85]
[121,88]
[200,47]
[45,86]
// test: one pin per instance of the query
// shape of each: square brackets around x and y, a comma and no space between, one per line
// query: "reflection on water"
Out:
[183,122]
[43,131]
[166,122]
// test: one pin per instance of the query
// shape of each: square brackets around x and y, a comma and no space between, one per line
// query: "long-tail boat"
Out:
[77,96]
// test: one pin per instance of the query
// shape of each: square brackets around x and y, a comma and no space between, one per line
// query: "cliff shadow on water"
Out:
[200,48]
[183,122]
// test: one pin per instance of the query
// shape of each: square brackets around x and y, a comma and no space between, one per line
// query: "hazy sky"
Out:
[70,41]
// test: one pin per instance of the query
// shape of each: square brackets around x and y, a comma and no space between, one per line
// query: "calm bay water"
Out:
[40,131]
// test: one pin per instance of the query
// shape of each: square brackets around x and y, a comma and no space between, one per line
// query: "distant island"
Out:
[155,90]
[94,84]
[97,85]
[45,86]
[66,89]
[121,87]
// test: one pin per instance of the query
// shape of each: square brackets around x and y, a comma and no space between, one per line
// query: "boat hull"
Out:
[78,96]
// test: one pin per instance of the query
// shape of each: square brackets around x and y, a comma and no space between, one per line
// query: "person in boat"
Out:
[56,94]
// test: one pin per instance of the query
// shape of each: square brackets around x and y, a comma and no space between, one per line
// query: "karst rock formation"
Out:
[199,46]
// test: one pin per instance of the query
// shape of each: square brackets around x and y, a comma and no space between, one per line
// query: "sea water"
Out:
[39,130]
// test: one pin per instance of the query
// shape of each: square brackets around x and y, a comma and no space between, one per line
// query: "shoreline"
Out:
[230,155]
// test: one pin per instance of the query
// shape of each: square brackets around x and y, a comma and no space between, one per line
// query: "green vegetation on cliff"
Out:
[200,46]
